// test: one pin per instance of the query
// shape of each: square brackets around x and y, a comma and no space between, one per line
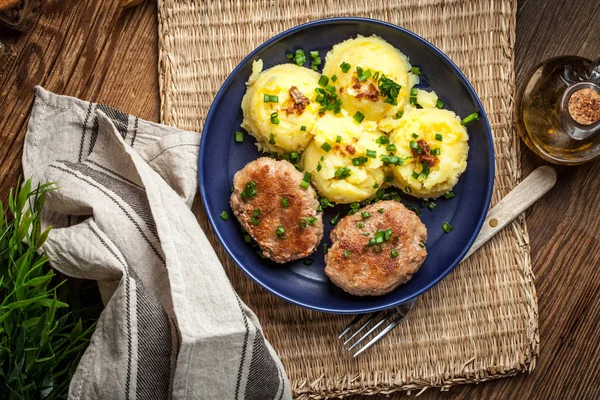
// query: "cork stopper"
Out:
[584,106]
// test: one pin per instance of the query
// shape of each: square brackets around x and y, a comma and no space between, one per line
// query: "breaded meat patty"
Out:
[376,250]
[276,209]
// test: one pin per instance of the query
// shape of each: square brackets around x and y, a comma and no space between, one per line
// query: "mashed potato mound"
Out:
[358,176]
[380,58]
[434,129]
[291,95]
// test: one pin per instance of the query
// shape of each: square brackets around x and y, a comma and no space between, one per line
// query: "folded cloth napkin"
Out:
[172,326]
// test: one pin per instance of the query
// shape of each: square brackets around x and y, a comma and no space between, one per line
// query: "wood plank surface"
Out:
[97,51]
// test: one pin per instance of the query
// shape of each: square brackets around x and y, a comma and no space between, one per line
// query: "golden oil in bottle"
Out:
[557,110]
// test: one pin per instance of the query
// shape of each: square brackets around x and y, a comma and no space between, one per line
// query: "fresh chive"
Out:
[431,205]
[360,224]
[355,206]
[470,118]
[399,114]
[307,177]
[338,139]
[394,160]
[382,140]
[415,175]
[247,238]
[324,248]
[333,78]
[326,203]
[312,220]
[285,202]
[271,138]
[239,137]
[294,156]
[413,145]
[319,167]
[371,153]
[421,245]
[376,75]
[275,118]
[381,210]
[322,158]
[394,253]
[343,173]
[346,253]
[224,216]
[436,152]
[299,57]
[304,185]
[303,128]
[389,179]
[359,161]
[303,223]
[449,195]
[365,214]
[326,146]
[391,147]
[439,137]
[345,67]
[358,117]
[271,98]
[366,233]
[290,56]
[416,70]
[323,80]
[413,92]
[334,220]
[255,221]
[413,101]
[425,171]
[447,227]
[363,75]
[314,54]
[249,191]
[280,231]
[414,135]
[389,89]
[256,212]
[439,104]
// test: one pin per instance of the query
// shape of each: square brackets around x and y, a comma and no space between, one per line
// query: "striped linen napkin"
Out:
[172,326]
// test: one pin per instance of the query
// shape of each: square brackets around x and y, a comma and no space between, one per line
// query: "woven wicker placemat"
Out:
[480,322]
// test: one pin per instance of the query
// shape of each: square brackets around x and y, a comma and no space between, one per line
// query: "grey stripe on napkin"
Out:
[172,327]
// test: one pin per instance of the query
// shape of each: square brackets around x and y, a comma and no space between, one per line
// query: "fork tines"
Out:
[378,324]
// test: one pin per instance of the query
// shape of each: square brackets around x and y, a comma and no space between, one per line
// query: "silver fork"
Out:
[512,205]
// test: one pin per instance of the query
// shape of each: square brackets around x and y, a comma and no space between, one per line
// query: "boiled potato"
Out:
[378,57]
[337,158]
[279,107]
[431,145]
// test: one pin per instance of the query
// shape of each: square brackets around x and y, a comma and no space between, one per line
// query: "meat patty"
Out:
[287,229]
[376,250]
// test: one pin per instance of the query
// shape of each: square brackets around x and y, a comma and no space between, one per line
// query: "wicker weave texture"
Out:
[479,323]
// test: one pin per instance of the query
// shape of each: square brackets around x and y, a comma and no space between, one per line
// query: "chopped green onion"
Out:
[343,173]
[249,191]
[323,80]
[326,146]
[413,92]
[375,185]
[391,147]
[239,137]
[447,227]
[389,89]
[247,238]
[271,98]
[376,75]
[304,185]
[326,203]
[413,145]
[346,253]
[360,224]
[359,161]
[414,135]
[365,214]
[416,70]
[322,158]
[389,179]
[394,253]
[224,216]
[431,205]
[299,57]
[413,101]
[294,156]
[425,171]
[289,56]
[355,206]
[319,167]
[345,67]
[274,118]
[371,153]
[362,75]
[358,117]
[470,118]
[382,140]
[303,223]
[399,114]
[271,138]
[381,210]
[314,54]
[449,195]
[436,152]
[303,128]
[439,104]
[333,78]
[335,219]
[280,231]
[421,245]
[255,221]
[256,212]
[307,177]
[285,202]
[308,261]
[439,137]
[394,160]
[415,175]
[312,220]
[338,139]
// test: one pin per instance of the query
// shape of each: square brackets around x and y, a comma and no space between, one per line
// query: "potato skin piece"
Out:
[275,180]
[366,272]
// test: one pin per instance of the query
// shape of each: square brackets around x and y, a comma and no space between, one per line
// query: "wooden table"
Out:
[96,51]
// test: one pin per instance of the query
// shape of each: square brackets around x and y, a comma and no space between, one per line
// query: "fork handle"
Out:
[538,183]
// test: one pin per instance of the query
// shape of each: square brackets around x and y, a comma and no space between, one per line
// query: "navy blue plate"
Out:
[308,286]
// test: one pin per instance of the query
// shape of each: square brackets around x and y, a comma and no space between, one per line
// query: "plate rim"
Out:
[458,72]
